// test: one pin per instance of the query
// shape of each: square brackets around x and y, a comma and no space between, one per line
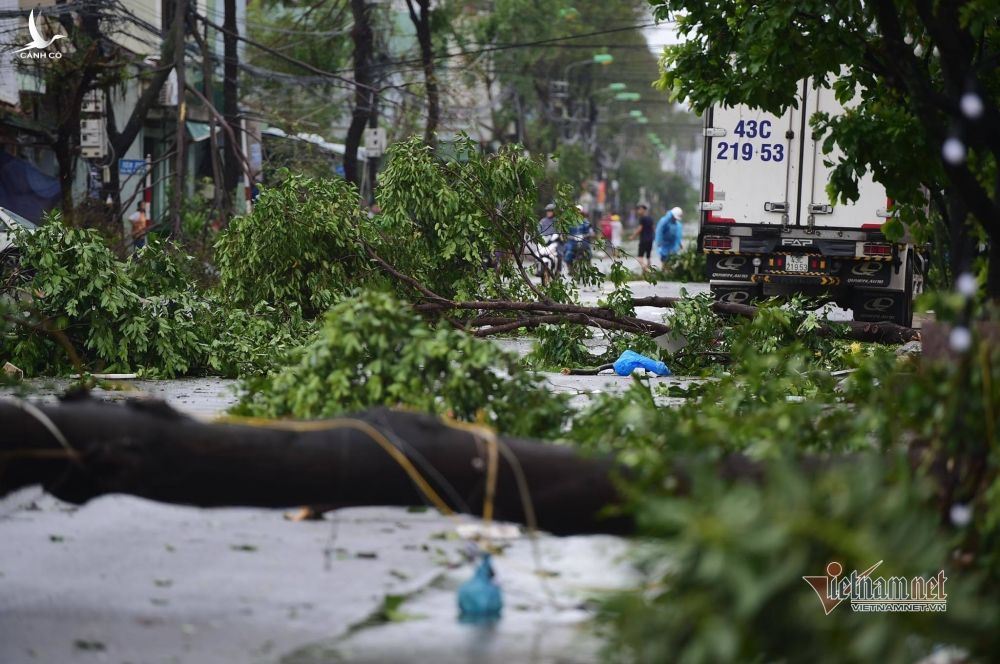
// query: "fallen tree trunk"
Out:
[86,448]
[149,450]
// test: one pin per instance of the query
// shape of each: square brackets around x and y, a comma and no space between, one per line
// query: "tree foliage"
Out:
[897,462]
[373,350]
[301,244]
[140,314]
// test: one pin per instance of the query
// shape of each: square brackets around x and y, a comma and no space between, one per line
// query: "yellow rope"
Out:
[349,423]
[488,435]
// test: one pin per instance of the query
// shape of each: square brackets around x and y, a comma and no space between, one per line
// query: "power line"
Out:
[504,47]
[287,58]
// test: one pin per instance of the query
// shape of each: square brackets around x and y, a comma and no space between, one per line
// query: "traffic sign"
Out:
[131,166]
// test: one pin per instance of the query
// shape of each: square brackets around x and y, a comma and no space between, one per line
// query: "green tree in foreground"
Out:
[926,79]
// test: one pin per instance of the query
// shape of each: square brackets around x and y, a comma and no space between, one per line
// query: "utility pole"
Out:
[230,105]
[180,16]
[422,23]
[372,159]
[361,35]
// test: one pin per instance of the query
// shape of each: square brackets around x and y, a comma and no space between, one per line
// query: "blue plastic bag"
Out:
[630,360]
[479,598]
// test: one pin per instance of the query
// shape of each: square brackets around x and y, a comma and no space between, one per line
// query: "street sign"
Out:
[131,166]
[374,141]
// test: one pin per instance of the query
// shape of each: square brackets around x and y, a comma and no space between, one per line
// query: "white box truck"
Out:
[768,226]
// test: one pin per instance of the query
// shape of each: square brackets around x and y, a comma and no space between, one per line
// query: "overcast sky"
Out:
[659,36]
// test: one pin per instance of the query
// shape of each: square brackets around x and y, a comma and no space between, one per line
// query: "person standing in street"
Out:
[669,233]
[644,231]
[578,249]
[139,224]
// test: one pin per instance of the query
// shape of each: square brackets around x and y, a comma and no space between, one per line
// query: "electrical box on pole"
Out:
[374,141]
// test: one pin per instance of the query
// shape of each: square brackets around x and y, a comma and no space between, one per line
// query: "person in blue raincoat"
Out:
[669,233]
[577,247]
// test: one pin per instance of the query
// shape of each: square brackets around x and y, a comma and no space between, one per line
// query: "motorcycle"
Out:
[548,257]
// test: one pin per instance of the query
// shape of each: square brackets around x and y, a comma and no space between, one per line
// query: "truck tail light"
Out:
[877,249]
[777,262]
[717,242]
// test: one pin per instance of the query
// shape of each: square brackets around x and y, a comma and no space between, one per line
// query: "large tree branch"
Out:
[151,451]
[83,449]
[226,127]
[549,312]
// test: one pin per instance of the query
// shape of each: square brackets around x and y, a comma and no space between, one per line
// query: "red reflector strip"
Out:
[711,217]
[871,226]
[718,242]
[871,249]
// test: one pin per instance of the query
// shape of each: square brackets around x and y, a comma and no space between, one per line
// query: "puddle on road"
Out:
[547,616]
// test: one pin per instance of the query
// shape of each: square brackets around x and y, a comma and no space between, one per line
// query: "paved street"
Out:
[127,580]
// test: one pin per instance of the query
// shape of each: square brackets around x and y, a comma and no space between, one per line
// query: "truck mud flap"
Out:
[880,305]
[728,268]
[870,274]
[736,293]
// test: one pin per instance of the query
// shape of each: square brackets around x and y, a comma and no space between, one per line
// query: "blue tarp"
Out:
[26,190]
[630,360]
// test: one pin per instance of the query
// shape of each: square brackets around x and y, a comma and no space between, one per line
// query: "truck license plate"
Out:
[796,263]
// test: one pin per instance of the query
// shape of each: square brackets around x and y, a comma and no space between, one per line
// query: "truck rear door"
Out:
[869,211]
[751,170]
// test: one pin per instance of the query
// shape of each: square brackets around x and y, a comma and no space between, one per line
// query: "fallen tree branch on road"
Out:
[539,313]
[881,332]
[147,449]
[546,312]
[82,449]
[552,312]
